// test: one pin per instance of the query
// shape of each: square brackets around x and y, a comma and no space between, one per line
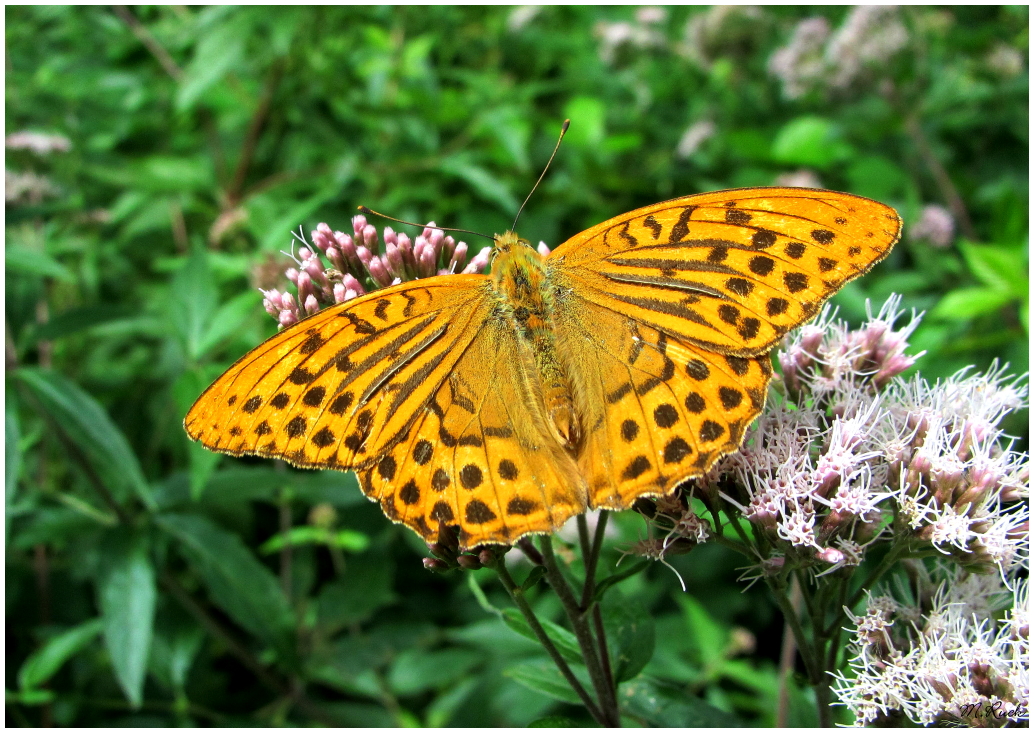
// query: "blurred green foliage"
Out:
[150,582]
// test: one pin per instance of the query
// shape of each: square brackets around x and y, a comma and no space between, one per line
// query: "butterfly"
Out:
[629,359]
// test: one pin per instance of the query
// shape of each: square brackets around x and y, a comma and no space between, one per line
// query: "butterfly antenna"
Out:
[370,212]
[563,131]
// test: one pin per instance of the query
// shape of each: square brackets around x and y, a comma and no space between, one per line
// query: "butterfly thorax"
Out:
[521,283]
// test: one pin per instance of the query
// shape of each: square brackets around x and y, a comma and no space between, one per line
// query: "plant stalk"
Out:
[581,632]
[517,595]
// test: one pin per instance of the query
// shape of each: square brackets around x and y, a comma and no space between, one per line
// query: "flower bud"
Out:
[436,238]
[393,259]
[831,555]
[468,562]
[311,305]
[543,249]
[323,237]
[351,283]
[435,565]
[459,257]
[378,272]
[358,225]
[323,515]
[425,266]
[287,318]
[480,262]
[390,236]
[316,272]
[346,245]
[447,248]
[370,236]
[304,285]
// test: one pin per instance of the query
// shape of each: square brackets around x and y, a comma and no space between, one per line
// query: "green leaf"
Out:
[877,177]
[77,320]
[537,573]
[543,676]
[708,637]
[668,706]
[275,234]
[12,454]
[485,184]
[346,539]
[29,697]
[203,462]
[126,591]
[553,721]
[565,641]
[611,580]
[168,174]
[228,320]
[967,303]
[173,649]
[630,635]
[365,587]
[87,426]
[415,670]
[46,661]
[588,117]
[511,131]
[443,707]
[192,302]
[236,581]
[35,263]
[999,268]
[810,141]
[219,49]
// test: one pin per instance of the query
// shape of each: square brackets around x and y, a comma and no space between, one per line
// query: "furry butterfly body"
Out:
[626,361]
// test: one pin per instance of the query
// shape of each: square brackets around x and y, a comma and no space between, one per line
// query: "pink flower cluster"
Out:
[337,266]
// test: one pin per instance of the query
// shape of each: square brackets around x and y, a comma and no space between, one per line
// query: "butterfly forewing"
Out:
[731,271]
[337,388]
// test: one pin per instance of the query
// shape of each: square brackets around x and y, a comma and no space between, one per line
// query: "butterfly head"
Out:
[508,242]
[509,246]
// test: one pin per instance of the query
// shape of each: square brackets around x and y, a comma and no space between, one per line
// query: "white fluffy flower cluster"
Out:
[817,58]
[853,455]
[955,658]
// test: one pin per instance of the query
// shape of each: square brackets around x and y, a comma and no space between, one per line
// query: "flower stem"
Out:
[582,634]
[517,595]
[591,555]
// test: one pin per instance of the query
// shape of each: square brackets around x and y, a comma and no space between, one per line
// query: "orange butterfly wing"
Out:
[663,322]
[422,392]
[730,271]
[667,315]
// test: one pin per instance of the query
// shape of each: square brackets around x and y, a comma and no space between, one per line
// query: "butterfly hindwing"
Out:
[730,271]
[479,455]
[655,409]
